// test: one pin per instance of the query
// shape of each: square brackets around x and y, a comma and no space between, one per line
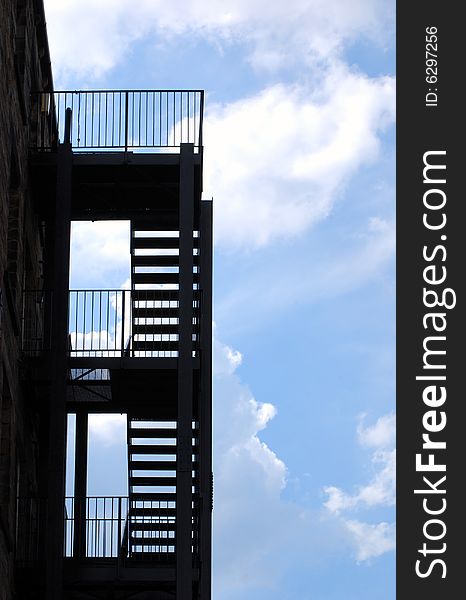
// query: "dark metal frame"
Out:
[119,119]
[179,368]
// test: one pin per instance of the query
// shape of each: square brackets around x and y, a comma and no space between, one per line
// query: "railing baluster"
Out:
[174,121]
[126,119]
[160,118]
[166,112]
[120,118]
[106,111]
[139,96]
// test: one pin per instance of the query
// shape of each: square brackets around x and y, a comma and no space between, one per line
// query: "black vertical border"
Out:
[422,128]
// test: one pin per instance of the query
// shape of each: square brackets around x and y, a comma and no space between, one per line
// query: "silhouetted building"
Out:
[144,351]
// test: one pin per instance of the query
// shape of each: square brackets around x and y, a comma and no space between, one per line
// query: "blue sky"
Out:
[299,157]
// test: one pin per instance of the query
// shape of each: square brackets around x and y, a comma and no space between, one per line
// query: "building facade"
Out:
[144,352]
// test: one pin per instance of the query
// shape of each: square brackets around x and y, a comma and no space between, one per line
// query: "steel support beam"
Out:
[205,399]
[185,379]
[80,484]
[59,277]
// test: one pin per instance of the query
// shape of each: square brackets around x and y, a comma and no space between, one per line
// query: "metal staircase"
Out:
[133,155]
[152,489]
[152,452]
[155,289]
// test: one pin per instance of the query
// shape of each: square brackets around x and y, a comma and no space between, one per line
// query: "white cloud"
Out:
[109,430]
[305,277]
[89,37]
[380,491]
[276,162]
[370,540]
[381,434]
[252,521]
[249,478]
[100,253]
[226,360]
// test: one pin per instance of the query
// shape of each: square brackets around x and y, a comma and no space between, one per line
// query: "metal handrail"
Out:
[119,119]
[111,323]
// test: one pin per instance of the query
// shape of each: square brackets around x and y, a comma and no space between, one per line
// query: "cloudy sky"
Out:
[299,158]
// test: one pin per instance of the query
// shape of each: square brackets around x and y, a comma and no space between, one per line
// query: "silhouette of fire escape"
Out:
[144,351]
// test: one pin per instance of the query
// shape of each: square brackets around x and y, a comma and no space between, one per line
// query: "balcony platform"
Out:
[126,148]
[122,386]
[116,185]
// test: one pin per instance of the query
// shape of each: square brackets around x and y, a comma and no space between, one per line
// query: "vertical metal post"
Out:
[80,484]
[185,379]
[126,119]
[120,538]
[58,276]
[201,118]
[123,293]
[68,120]
[205,408]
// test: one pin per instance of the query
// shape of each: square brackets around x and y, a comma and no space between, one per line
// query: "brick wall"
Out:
[24,66]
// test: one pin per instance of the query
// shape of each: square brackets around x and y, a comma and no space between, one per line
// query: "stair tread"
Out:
[154,465]
[157,345]
[156,328]
[155,481]
[152,496]
[152,432]
[155,278]
[151,512]
[154,295]
[152,556]
[158,260]
[156,312]
[154,242]
[153,526]
[152,449]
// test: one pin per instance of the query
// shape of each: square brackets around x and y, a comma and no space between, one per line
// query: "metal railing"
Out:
[110,323]
[99,323]
[119,119]
[119,527]
[103,527]
[94,526]
[131,323]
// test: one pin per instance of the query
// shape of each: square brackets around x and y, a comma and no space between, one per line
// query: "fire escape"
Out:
[143,351]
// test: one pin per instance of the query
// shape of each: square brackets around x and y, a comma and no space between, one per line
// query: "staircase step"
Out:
[152,432]
[152,449]
[155,242]
[152,481]
[158,260]
[164,312]
[155,295]
[153,556]
[155,260]
[153,513]
[152,465]
[156,329]
[151,543]
[158,345]
[150,222]
[153,526]
[152,496]
[150,278]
